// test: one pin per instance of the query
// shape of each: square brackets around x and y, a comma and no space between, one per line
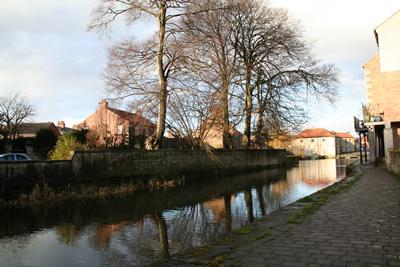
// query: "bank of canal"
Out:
[141,228]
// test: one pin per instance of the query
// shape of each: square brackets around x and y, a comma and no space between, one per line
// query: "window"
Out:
[301,141]
[137,131]
[8,157]
[120,128]
[21,157]
[323,139]
[312,140]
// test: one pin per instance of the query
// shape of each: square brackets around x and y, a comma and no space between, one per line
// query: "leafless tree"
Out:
[190,110]
[14,111]
[143,69]
[276,62]
[212,57]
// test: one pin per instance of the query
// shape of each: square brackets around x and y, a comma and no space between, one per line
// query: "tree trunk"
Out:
[261,199]
[228,213]
[155,141]
[227,143]
[248,198]
[260,125]
[248,110]
[162,233]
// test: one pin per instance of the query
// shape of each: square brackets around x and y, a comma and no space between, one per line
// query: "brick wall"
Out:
[383,90]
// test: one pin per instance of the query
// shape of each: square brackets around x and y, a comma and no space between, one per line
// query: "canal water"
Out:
[138,229]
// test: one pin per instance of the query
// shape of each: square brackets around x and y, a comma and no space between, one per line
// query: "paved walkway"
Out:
[359,227]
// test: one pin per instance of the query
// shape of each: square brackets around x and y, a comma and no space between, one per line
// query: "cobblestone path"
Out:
[359,227]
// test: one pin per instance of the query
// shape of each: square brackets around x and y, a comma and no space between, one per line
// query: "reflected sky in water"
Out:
[137,229]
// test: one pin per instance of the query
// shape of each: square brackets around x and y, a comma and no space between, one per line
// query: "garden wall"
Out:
[114,166]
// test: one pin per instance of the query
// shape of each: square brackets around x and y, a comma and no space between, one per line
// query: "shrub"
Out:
[44,142]
[81,136]
[65,147]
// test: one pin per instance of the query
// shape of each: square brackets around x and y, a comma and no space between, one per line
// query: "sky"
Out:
[47,54]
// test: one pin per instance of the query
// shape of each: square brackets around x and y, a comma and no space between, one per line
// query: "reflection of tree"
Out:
[248,198]
[228,213]
[192,226]
[67,233]
[163,233]
[260,196]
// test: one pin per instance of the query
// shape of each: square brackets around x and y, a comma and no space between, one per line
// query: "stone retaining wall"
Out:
[114,166]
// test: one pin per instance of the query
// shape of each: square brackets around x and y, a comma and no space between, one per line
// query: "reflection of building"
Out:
[116,126]
[217,206]
[315,172]
[321,142]
[382,79]
[102,236]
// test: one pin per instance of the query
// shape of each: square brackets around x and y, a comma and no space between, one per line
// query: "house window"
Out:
[120,128]
[323,139]
[301,141]
[137,131]
[312,140]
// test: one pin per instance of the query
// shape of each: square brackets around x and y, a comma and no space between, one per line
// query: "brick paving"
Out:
[359,227]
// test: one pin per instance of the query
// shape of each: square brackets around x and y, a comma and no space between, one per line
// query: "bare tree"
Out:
[14,111]
[190,110]
[131,70]
[275,61]
[212,57]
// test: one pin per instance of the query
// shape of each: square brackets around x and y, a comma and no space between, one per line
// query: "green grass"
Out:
[266,234]
[197,251]
[245,230]
[321,198]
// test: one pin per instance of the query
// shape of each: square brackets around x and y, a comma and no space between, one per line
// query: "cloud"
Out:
[342,33]
[47,54]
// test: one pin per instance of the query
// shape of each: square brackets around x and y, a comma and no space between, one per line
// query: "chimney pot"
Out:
[103,104]
[61,124]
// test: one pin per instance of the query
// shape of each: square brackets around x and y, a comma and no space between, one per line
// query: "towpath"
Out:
[359,226]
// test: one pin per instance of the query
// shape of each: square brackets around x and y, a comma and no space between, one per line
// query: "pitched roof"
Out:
[135,118]
[316,132]
[343,135]
[33,128]
[66,130]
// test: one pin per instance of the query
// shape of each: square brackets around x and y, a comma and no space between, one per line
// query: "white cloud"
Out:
[342,32]
[46,52]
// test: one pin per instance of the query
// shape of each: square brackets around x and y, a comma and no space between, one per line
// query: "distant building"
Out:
[116,126]
[29,130]
[382,80]
[322,143]
[214,137]
[345,143]
[211,131]
[63,129]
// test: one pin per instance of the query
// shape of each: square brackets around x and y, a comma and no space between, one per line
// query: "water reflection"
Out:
[135,229]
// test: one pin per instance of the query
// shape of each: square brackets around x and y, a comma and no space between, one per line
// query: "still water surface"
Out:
[140,228]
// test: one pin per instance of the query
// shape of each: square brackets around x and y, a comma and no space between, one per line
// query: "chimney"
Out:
[103,104]
[139,112]
[61,124]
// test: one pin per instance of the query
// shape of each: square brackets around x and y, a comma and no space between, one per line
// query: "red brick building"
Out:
[382,81]
[116,126]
